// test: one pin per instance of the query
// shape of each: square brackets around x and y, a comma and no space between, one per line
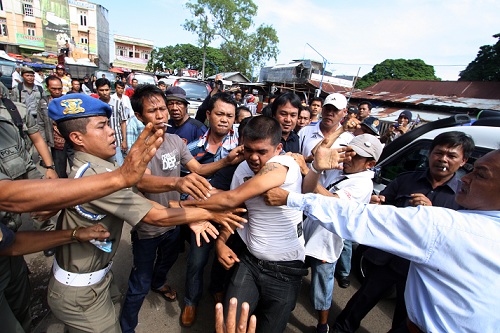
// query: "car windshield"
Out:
[194,90]
[144,79]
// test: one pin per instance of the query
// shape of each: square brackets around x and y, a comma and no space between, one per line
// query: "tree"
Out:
[486,66]
[231,20]
[398,69]
[185,56]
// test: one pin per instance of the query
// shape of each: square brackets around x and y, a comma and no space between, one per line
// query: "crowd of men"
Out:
[291,160]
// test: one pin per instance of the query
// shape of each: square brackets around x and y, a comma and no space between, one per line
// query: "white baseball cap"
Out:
[367,145]
[337,100]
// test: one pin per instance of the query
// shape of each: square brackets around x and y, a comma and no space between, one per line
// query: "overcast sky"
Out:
[349,34]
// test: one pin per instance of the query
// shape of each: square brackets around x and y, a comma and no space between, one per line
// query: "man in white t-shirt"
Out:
[270,270]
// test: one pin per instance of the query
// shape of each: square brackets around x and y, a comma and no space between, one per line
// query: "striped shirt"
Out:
[118,116]
[199,148]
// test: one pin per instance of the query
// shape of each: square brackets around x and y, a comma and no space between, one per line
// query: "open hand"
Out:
[140,154]
[203,229]
[229,219]
[194,185]
[97,231]
[230,325]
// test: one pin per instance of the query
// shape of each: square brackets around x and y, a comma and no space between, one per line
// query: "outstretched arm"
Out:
[271,175]
[34,241]
[50,194]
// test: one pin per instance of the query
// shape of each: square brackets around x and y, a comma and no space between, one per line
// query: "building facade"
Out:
[132,53]
[33,26]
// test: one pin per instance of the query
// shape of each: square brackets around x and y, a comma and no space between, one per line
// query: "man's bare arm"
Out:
[50,194]
[35,241]
[43,150]
[271,175]
[193,184]
[208,169]
[164,217]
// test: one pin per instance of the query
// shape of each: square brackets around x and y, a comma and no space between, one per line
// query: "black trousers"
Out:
[377,284]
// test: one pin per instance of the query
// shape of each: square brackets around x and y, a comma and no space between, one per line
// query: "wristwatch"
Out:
[43,165]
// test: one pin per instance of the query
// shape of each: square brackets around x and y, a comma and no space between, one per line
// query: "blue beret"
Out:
[75,106]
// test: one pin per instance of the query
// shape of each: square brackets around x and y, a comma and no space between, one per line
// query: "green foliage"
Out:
[486,66]
[231,21]
[398,69]
[186,56]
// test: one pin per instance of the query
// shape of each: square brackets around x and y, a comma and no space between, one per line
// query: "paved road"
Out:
[157,315]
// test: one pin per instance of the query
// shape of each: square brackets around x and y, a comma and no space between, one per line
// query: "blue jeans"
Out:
[153,258]
[344,263]
[322,282]
[197,260]
[275,293]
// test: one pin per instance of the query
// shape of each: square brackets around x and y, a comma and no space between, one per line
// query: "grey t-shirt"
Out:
[166,163]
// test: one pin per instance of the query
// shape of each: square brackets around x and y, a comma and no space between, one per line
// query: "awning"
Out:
[116,70]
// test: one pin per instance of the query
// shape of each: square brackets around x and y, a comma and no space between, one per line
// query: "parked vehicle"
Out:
[7,68]
[410,153]
[142,78]
[196,90]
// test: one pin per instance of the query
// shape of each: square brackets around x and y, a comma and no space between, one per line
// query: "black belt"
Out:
[294,267]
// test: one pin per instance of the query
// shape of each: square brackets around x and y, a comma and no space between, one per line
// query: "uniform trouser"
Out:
[379,281]
[15,295]
[85,309]
[197,260]
[153,258]
[272,295]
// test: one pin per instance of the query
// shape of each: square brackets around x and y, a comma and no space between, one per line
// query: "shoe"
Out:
[188,315]
[49,252]
[322,328]
[343,281]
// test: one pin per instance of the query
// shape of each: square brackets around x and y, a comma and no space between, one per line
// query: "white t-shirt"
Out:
[323,244]
[273,233]
[310,136]
[16,76]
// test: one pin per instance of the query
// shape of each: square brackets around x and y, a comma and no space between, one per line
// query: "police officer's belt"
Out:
[286,267]
[79,280]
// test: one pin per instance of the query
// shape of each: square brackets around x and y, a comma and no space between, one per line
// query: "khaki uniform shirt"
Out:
[123,205]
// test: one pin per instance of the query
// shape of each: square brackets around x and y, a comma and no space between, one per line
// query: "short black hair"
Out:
[73,125]
[102,82]
[242,126]
[74,79]
[242,108]
[307,109]
[370,106]
[145,91]
[316,99]
[119,84]
[455,139]
[263,128]
[282,99]
[222,96]
[51,78]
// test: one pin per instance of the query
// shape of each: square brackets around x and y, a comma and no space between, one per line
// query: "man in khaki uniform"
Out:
[79,290]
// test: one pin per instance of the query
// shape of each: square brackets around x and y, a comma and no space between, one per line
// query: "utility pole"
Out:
[325,62]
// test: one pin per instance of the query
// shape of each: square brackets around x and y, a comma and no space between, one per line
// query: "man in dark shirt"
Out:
[286,109]
[180,122]
[435,186]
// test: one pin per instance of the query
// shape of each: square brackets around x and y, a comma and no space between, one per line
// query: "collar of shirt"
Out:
[452,183]
[229,142]
[94,160]
[291,137]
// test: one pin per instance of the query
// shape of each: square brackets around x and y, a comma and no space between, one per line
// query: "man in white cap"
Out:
[334,110]
[323,247]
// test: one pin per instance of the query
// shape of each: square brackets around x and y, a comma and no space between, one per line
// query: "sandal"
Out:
[167,293]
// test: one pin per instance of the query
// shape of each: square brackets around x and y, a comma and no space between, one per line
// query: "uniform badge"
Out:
[72,106]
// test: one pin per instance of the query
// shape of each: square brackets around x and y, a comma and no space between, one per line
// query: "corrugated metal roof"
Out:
[468,89]
[328,87]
